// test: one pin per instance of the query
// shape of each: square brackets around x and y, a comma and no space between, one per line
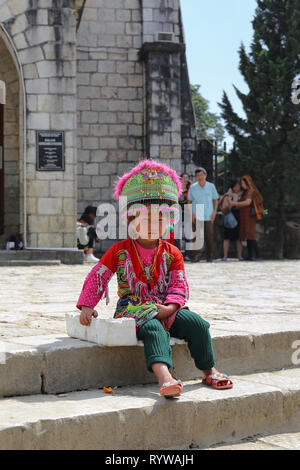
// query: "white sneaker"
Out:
[90,258]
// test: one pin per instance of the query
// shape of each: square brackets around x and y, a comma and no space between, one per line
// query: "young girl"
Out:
[152,285]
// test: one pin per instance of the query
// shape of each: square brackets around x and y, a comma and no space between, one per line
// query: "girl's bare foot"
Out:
[212,371]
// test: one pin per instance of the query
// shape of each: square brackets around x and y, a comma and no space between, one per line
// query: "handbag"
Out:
[230,221]
[82,235]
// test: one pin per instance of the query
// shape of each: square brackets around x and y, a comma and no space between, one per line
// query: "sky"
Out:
[214,31]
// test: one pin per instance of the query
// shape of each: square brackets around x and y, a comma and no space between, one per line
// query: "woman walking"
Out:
[251,209]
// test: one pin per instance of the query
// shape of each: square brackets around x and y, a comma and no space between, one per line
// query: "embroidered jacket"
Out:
[166,282]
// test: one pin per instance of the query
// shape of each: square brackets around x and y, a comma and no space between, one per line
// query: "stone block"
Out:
[19,25]
[89,92]
[106,66]
[90,142]
[123,15]
[104,332]
[39,34]
[108,143]
[91,195]
[100,181]
[49,103]
[37,223]
[114,27]
[89,116]
[63,120]
[106,14]
[62,189]
[98,130]
[49,206]
[84,181]
[134,28]
[90,169]
[30,71]
[135,4]
[117,130]
[62,85]
[5,13]
[99,156]
[20,369]
[37,188]
[99,79]
[37,86]
[20,41]
[47,68]
[100,105]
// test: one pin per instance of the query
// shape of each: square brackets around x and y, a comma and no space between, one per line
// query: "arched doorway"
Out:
[10,143]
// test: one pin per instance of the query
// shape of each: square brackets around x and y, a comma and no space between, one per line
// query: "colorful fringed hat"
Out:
[149,184]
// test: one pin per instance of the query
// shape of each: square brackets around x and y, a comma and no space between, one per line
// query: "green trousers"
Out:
[187,326]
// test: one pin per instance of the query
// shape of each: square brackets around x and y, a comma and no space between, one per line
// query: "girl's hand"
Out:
[86,314]
[164,311]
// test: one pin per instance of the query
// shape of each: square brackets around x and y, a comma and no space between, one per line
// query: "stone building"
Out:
[87,88]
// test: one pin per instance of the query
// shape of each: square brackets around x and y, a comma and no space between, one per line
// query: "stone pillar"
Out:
[163,112]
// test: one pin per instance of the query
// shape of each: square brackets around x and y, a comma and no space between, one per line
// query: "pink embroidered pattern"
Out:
[95,285]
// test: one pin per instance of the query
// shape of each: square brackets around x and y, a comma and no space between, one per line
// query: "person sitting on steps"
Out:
[152,285]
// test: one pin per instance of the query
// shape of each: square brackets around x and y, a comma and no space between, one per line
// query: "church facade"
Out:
[87,89]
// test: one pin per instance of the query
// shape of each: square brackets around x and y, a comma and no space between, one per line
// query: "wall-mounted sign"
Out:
[50,150]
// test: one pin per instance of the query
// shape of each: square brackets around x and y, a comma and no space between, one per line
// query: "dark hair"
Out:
[234,182]
[182,175]
[201,170]
[90,210]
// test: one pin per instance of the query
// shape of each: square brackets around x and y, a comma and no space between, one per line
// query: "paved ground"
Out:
[284,441]
[232,296]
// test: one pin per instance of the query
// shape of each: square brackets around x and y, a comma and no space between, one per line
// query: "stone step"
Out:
[66,256]
[138,418]
[26,262]
[57,363]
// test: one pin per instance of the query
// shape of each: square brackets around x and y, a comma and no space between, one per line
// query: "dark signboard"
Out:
[50,152]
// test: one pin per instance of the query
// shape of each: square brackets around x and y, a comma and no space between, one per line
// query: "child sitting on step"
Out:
[152,284]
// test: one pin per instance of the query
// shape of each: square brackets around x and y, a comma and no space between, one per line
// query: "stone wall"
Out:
[129,88]
[43,33]
[110,96]
[9,75]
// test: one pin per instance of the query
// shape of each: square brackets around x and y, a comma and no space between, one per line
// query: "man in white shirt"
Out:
[205,193]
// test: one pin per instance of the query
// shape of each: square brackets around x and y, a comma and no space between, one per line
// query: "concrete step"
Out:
[66,256]
[26,262]
[138,418]
[57,363]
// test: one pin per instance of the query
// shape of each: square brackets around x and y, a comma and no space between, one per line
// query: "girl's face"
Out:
[151,225]
[237,188]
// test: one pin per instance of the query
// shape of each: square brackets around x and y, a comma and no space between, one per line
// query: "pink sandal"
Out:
[220,382]
[171,390]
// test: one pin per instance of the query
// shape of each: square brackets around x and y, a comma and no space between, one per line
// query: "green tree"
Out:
[268,139]
[208,125]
